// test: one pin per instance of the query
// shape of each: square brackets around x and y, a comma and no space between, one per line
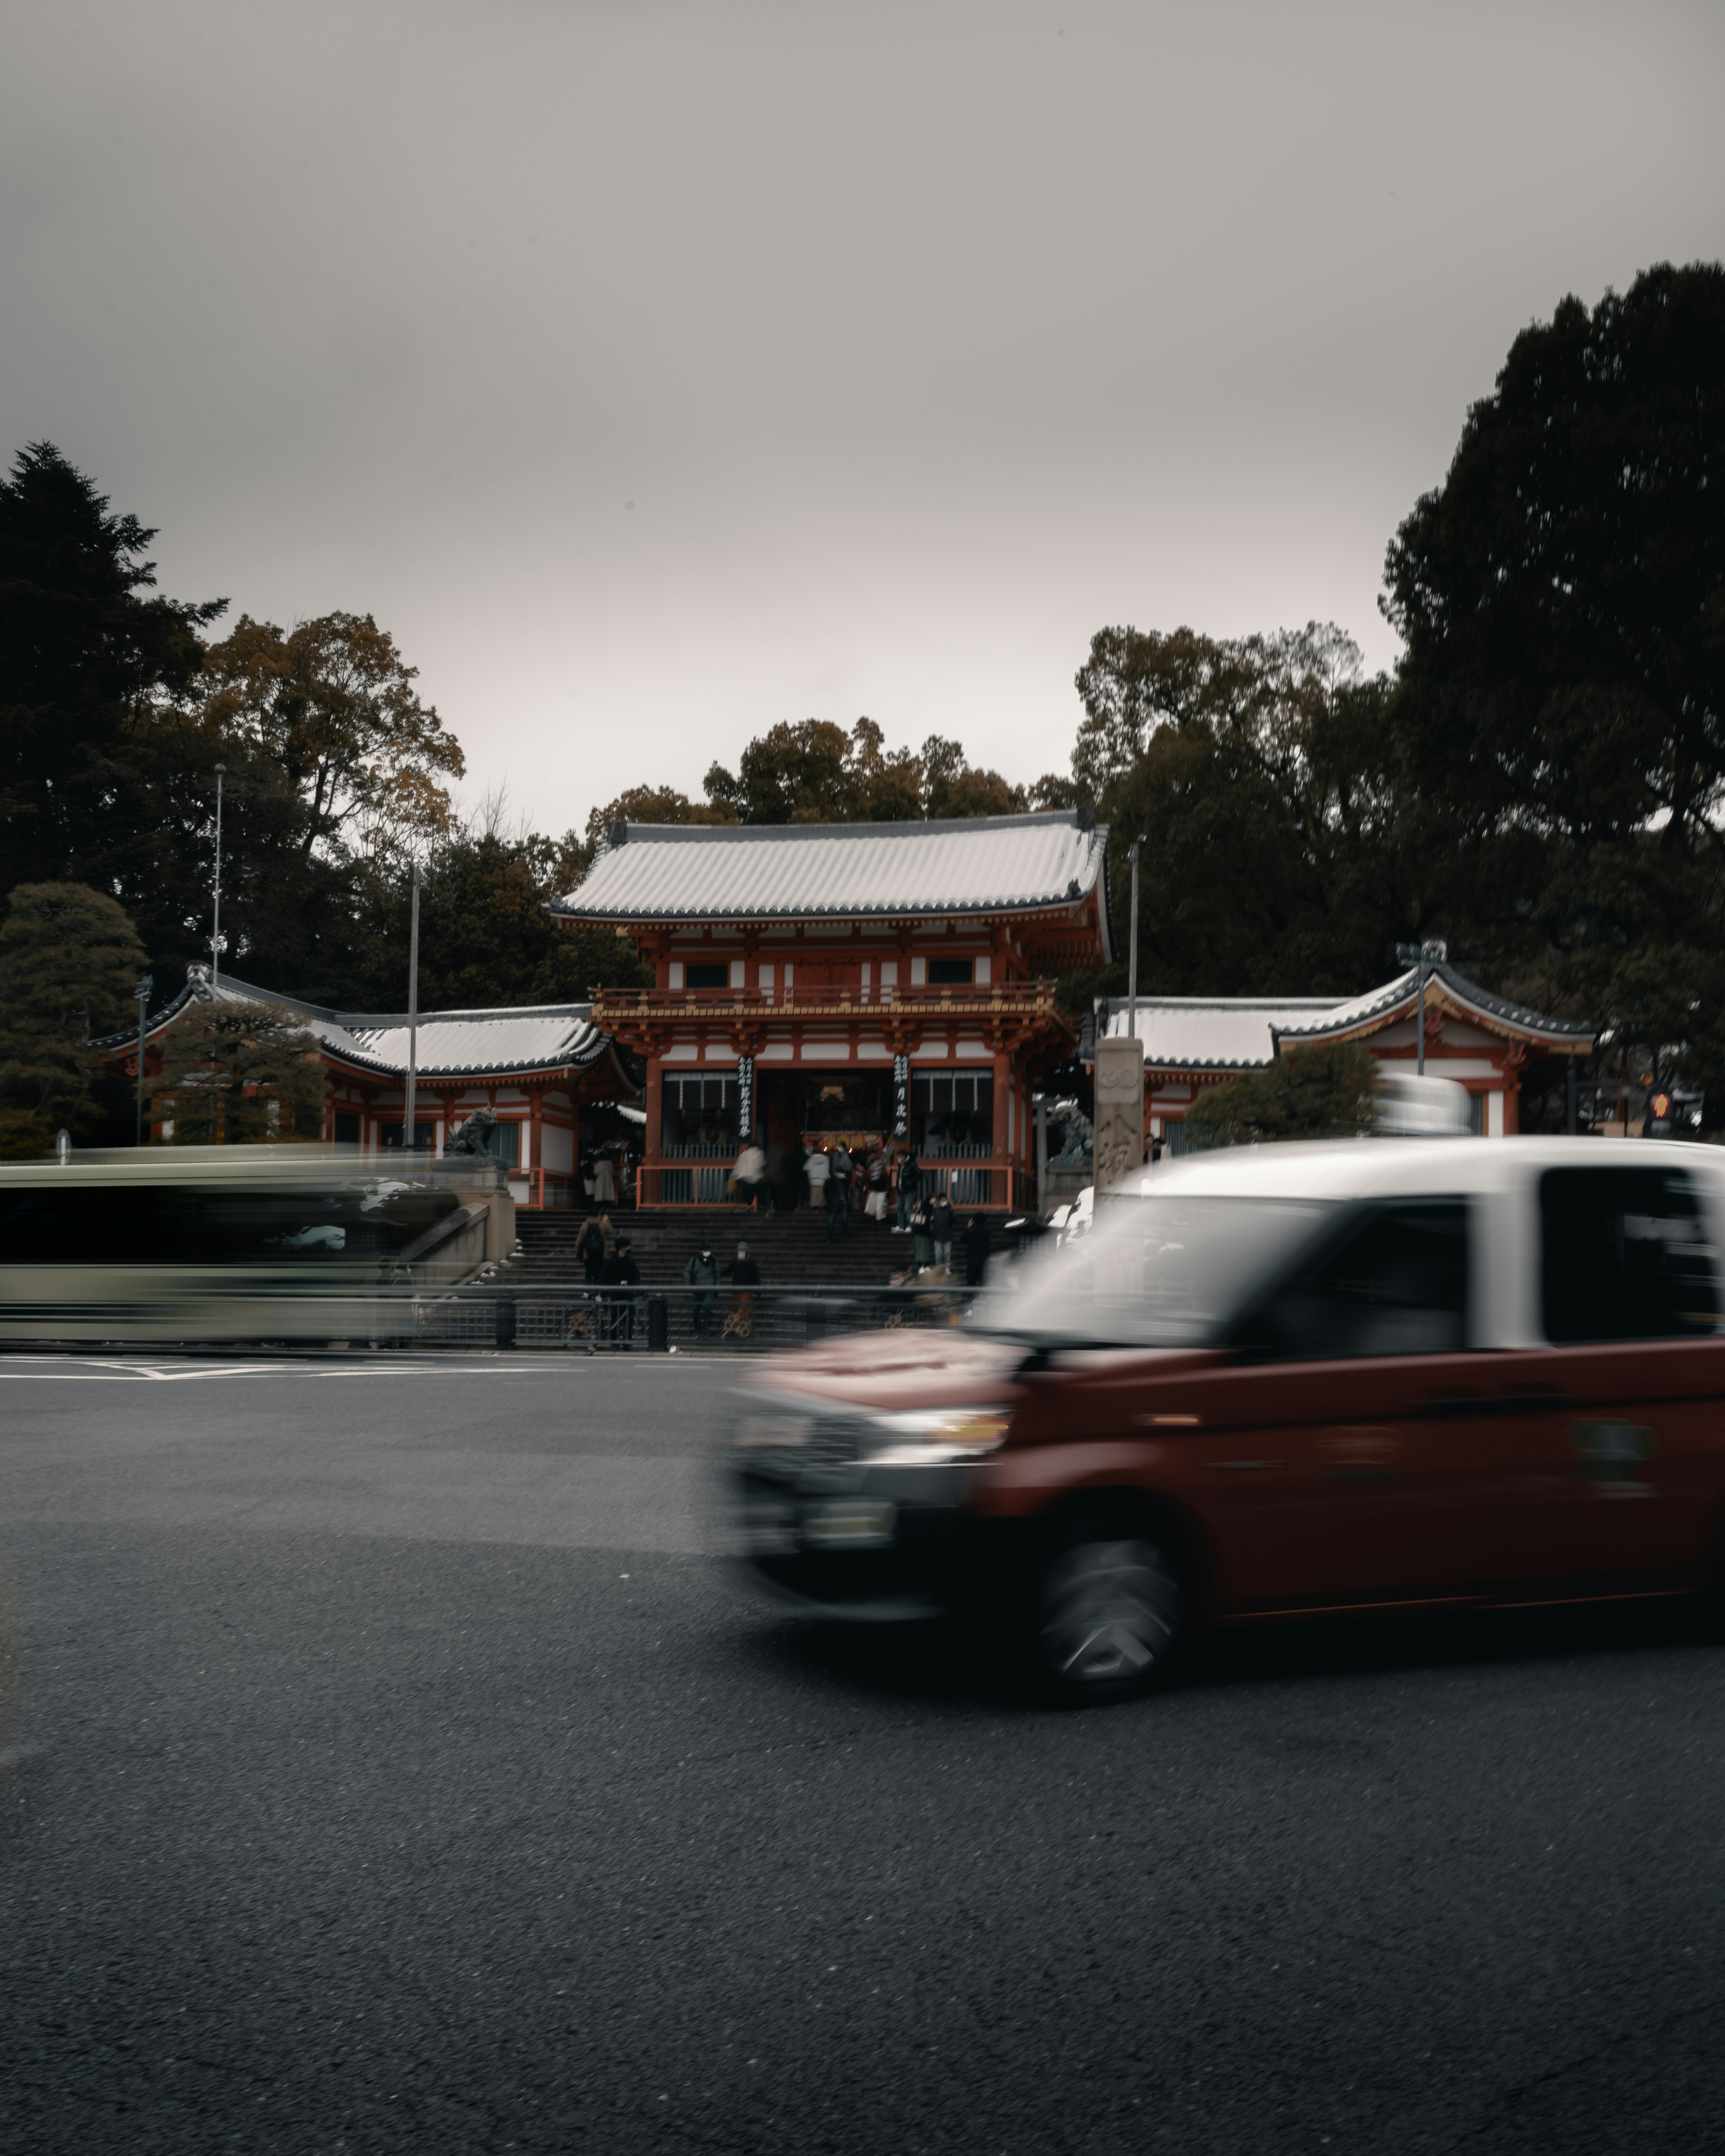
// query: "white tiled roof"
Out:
[451,1041]
[764,872]
[1215,1033]
[544,1037]
[1234,1033]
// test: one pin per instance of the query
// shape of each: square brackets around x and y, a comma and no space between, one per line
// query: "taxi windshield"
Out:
[1156,1271]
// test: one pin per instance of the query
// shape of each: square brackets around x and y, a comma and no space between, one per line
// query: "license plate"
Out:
[769,1528]
[849,1523]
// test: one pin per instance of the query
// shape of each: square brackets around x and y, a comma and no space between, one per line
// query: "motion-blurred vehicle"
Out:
[217,1243]
[1274,1380]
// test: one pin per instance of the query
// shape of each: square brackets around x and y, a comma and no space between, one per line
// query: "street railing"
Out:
[658,1320]
[572,1319]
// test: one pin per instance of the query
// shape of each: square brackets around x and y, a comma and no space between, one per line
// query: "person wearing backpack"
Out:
[591,1249]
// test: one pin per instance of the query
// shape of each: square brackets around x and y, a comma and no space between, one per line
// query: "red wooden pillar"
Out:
[1513,1060]
[536,1111]
[650,1162]
[1001,1192]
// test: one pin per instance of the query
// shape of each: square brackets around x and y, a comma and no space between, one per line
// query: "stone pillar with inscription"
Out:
[1120,1109]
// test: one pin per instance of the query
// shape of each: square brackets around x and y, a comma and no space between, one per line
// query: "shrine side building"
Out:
[887,983]
[1484,1043]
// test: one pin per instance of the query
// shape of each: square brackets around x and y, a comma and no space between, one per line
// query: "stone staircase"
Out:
[792,1249]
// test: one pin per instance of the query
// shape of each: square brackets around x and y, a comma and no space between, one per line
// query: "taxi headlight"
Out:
[922,1437]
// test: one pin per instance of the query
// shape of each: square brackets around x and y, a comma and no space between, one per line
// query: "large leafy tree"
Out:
[486,935]
[1321,1091]
[1258,774]
[86,644]
[68,960]
[1561,707]
[238,1074]
[813,772]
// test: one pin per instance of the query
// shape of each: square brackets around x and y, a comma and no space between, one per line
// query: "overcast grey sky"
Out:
[659,371]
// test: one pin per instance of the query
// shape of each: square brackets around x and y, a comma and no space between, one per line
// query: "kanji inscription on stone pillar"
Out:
[1120,1109]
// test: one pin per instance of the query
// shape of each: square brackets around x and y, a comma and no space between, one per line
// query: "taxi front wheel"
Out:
[1107,1610]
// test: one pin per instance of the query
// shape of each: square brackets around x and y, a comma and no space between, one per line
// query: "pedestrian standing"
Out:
[838,1191]
[777,1167]
[743,1275]
[701,1273]
[977,1239]
[910,1177]
[591,1250]
[751,1174]
[940,1226]
[621,1273]
[877,1183]
[921,1241]
[604,1183]
[819,1170]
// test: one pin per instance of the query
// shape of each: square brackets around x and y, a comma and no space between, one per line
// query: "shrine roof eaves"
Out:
[1461,993]
[451,1044]
[671,872]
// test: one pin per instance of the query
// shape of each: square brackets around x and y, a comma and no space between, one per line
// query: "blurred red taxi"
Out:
[1277,1380]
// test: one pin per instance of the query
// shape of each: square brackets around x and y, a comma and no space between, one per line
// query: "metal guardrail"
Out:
[572,1319]
[655,1320]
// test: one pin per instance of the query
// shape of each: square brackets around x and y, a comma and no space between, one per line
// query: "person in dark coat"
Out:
[909,1181]
[977,1239]
[839,1192]
[702,1274]
[940,1226]
[621,1272]
[591,1250]
[921,1241]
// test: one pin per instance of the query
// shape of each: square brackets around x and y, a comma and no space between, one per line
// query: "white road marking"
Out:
[109,1374]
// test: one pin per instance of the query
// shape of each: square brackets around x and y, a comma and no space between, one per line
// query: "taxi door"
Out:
[1614,1474]
[1331,1472]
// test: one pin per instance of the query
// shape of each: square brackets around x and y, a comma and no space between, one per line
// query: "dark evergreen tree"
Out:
[68,961]
[85,648]
[1561,708]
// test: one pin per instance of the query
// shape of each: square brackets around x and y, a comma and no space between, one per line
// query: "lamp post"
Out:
[407,1126]
[144,990]
[1431,953]
[215,938]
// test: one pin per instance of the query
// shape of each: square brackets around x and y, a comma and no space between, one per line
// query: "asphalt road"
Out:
[395,1773]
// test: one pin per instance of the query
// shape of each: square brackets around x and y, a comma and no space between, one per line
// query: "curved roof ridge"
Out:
[1379,1004]
[896,827]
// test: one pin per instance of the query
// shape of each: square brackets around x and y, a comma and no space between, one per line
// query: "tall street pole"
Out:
[144,990]
[1421,1066]
[215,940]
[1132,967]
[1424,955]
[406,1130]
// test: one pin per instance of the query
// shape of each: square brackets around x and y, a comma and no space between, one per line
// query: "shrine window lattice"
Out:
[699,1118]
